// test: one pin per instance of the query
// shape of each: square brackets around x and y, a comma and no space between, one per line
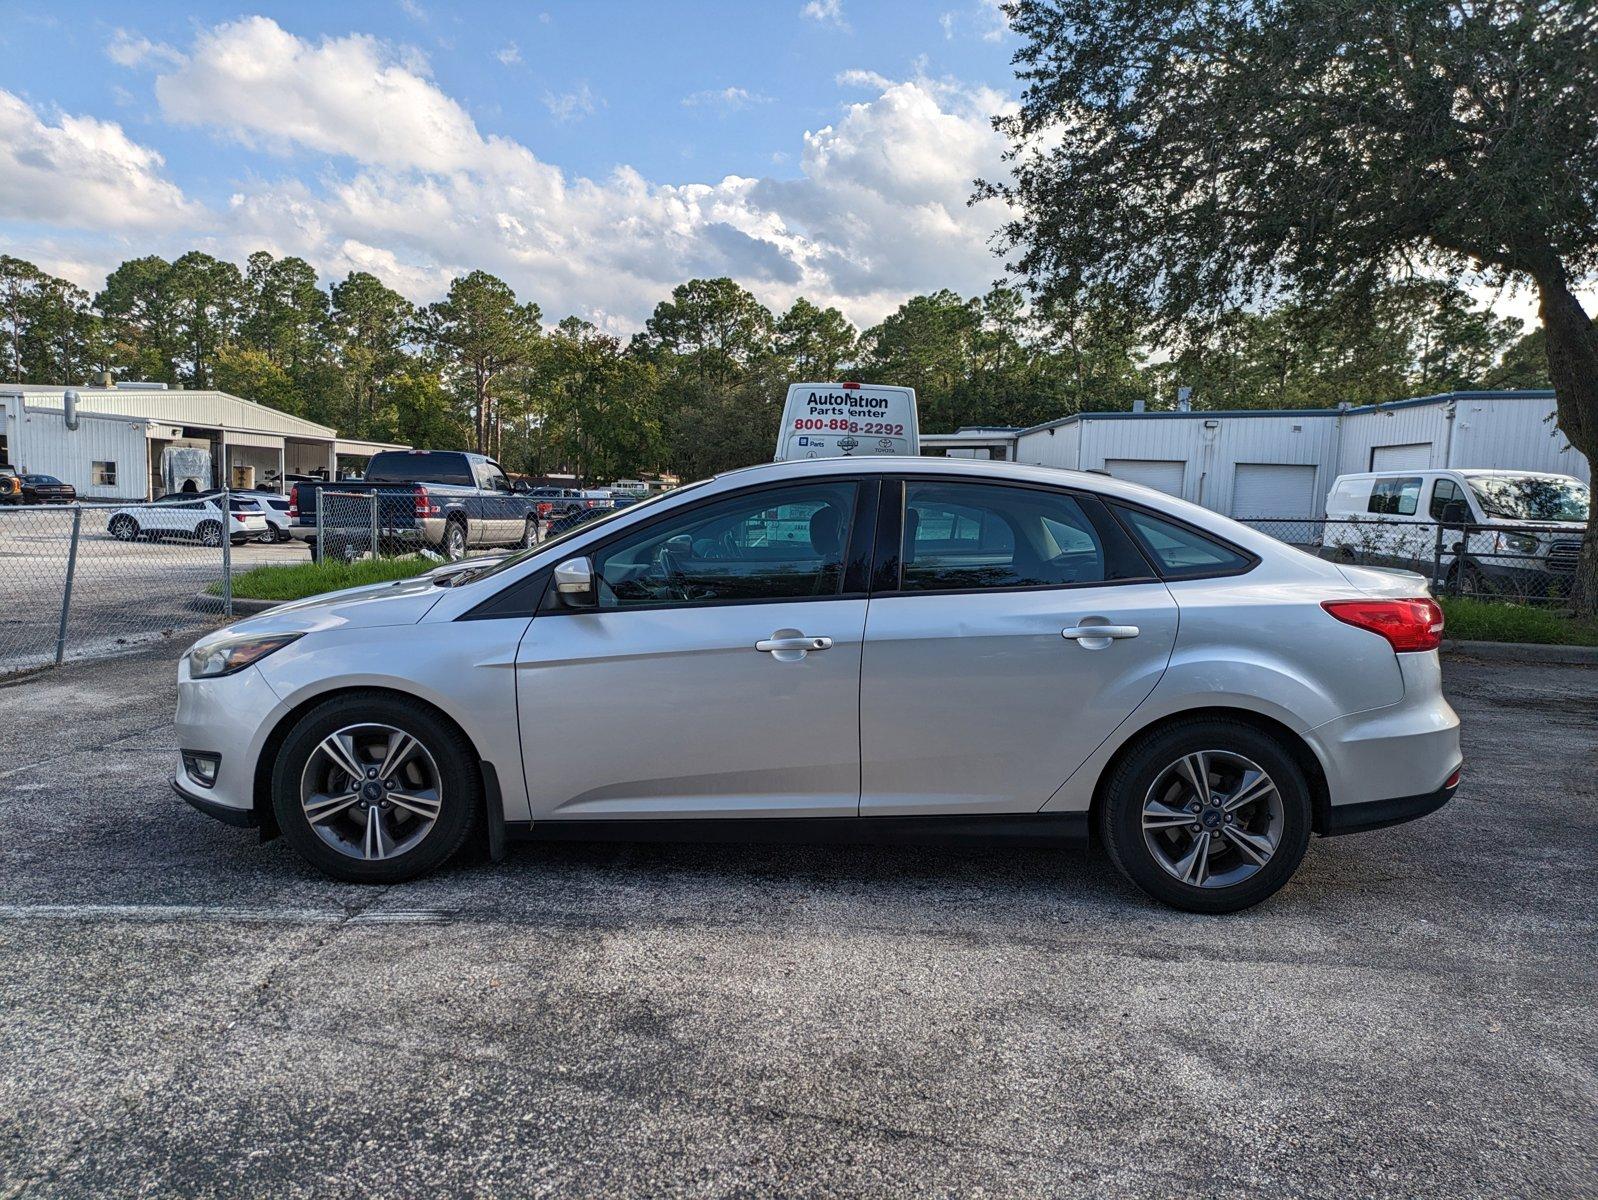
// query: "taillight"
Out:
[424,504]
[1407,625]
[544,508]
[294,502]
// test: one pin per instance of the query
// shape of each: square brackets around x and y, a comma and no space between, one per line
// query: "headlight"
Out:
[235,653]
[1519,543]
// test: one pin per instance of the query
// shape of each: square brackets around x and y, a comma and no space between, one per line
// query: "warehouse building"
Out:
[137,441]
[1281,463]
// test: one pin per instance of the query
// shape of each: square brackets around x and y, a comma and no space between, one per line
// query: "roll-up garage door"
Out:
[1160,474]
[1415,456]
[1273,490]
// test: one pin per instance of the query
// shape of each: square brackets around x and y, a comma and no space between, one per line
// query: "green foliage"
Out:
[1470,620]
[299,580]
[478,332]
[700,390]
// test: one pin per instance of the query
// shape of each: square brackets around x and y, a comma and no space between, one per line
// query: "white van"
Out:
[836,420]
[1514,531]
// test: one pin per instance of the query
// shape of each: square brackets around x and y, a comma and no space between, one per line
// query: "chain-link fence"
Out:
[1523,564]
[85,579]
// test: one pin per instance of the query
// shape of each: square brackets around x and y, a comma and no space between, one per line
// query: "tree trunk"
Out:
[1573,367]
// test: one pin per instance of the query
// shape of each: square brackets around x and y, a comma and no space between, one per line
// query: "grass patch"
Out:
[1491,621]
[312,579]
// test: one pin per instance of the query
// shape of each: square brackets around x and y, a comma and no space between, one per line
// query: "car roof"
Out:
[975,469]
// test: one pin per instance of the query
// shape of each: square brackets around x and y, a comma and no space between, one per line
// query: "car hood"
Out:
[404,602]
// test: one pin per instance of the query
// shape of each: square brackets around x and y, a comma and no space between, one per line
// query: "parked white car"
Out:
[871,649]
[188,516]
[274,507]
[1516,530]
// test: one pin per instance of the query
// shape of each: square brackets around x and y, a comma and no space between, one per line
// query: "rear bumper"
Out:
[1378,814]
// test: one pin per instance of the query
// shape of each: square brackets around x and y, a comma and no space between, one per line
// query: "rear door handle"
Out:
[772,645]
[1084,633]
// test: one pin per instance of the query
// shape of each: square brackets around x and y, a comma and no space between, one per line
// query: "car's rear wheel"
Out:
[530,534]
[372,789]
[209,533]
[1208,815]
[124,528]
[453,546]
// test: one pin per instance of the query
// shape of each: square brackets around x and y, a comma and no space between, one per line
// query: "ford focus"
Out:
[860,649]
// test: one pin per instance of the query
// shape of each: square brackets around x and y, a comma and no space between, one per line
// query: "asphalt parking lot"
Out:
[184,1011]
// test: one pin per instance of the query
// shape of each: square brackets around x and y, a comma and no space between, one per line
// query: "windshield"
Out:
[1531,497]
[41,480]
[494,568]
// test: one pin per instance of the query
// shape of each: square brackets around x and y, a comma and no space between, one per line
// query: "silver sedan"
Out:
[861,649]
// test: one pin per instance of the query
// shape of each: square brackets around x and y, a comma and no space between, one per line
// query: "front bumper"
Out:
[240,818]
[229,717]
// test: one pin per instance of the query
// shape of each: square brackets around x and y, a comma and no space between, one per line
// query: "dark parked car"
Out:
[35,489]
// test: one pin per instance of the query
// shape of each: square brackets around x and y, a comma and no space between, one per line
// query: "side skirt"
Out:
[1006,829]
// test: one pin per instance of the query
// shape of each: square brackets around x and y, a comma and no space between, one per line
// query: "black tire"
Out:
[460,790]
[1121,812]
[453,545]
[316,549]
[209,533]
[124,528]
[1467,580]
[529,534]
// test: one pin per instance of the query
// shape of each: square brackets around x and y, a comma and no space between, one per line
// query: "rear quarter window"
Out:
[1181,552]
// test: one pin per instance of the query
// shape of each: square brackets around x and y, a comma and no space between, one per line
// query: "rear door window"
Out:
[975,536]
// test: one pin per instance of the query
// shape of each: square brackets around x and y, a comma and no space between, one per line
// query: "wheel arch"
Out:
[1292,741]
[261,787]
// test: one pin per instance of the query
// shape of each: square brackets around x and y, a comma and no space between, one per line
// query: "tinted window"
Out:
[1182,552]
[963,536]
[782,543]
[1445,492]
[1395,497]
[41,480]
[426,466]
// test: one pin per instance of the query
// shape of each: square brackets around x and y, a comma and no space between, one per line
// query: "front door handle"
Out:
[1087,633]
[772,645]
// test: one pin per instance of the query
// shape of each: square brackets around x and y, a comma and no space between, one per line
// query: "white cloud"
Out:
[133,50]
[875,207]
[825,12]
[352,95]
[510,54]
[729,98]
[855,77]
[573,105]
[81,172]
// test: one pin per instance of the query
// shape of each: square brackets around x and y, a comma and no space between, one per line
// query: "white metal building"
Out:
[1281,463]
[128,442]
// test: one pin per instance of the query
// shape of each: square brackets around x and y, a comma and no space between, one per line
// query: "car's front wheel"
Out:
[124,528]
[373,789]
[1208,815]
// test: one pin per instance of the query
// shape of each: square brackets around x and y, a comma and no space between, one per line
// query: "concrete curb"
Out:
[208,602]
[1526,652]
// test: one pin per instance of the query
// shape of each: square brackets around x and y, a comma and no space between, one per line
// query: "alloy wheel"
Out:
[1212,819]
[371,791]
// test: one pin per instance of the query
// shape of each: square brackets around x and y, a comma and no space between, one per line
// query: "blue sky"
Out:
[593,154]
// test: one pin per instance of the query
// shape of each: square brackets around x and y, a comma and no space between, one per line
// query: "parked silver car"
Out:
[864,648]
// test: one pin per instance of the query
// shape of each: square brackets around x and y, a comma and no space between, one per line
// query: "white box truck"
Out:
[836,420]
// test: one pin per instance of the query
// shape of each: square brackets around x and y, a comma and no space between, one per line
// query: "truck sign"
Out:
[837,420]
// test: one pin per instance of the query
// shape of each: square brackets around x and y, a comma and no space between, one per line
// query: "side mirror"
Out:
[1455,513]
[574,581]
[520,485]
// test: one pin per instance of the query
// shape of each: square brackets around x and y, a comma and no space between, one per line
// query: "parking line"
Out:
[220,914]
